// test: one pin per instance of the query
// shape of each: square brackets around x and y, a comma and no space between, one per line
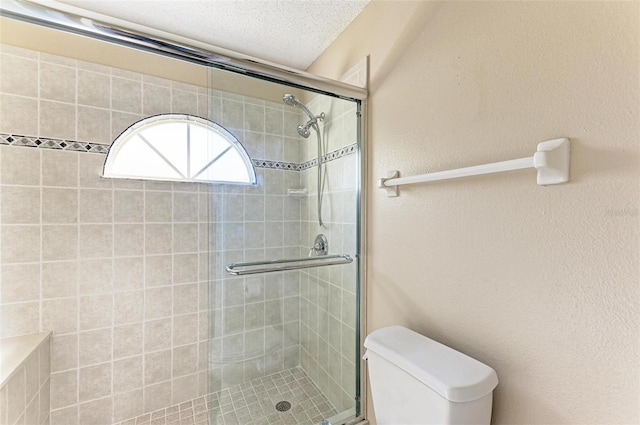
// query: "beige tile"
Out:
[185,360]
[157,334]
[185,299]
[18,319]
[96,206]
[128,273]
[158,270]
[150,79]
[44,353]
[126,95]
[254,117]
[20,282]
[32,413]
[127,374]
[60,315]
[185,237]
[94,125]
[90,171]
[95,311]
[20,205]
[16,395]
[120,121]
[20,244]
[155,186]
[59,168]
[64,352]
[95,240]
[19,115]
[232,114]
[59,242]
[59,205]
[185,329]
[185,268]
[95,347]
[274,119]
[57,82]
[128,206]
[94,89]
[184,388]
[94,382]
[156,99]
[19,75]
[57,120]
[97,412]
[127,341]
[95,276]
[127,405]
[65,416]
[157,396]
[128,239]
[64,389]
[59,279]
[158,303]
[183,102]
[128,307]
[158,206]
[19,165]
[203,105]
[157,367]
[185,207]
[158,239]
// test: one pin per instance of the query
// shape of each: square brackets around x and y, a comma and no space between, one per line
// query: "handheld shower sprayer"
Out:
[303,130]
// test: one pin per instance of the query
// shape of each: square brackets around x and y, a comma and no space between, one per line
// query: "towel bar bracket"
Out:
[392,191]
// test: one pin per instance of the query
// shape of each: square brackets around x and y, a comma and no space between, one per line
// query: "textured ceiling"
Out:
[288,32]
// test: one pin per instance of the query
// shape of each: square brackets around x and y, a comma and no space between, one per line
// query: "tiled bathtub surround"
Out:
[24,390]
[252,403]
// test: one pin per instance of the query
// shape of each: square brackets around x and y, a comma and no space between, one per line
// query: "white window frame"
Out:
[194,176]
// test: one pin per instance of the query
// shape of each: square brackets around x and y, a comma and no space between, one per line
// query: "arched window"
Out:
[179,147]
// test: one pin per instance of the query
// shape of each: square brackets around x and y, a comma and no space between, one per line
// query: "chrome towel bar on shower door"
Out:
[239,269]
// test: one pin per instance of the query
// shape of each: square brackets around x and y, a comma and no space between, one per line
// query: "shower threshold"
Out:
[251,403]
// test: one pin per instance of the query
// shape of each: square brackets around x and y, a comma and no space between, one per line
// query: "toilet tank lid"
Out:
[455,376]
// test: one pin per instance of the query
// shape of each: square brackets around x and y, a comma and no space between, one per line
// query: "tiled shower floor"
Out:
[251,403]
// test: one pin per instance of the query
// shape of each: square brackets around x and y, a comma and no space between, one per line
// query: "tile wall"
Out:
[119,269]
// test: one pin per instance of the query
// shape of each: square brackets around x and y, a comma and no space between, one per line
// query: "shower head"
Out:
[290,100]
[303,129]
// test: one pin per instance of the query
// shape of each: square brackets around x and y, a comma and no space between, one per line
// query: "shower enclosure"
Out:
[277,345]
[287,338]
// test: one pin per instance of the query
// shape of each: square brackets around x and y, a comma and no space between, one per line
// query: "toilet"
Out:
[415,380]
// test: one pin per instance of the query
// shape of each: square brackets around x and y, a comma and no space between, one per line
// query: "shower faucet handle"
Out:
[320,245]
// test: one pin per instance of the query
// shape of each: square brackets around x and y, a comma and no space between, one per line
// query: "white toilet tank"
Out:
[415,380]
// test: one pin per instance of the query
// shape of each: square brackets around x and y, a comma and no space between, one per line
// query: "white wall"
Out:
[541,283]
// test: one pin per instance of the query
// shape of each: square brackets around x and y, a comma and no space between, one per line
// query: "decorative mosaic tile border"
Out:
[71,145]
[46,143]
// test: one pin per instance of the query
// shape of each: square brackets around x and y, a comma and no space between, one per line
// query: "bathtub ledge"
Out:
[15,350]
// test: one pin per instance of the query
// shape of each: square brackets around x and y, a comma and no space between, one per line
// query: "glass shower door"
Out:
[282,345]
